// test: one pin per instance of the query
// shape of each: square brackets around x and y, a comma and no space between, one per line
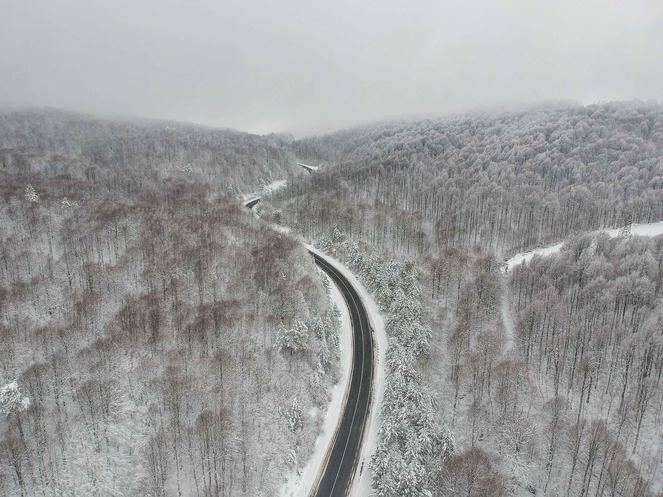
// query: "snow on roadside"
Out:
[250,199]
[265,189]
[361,486]
[300,484]
[312,168]
[647,229]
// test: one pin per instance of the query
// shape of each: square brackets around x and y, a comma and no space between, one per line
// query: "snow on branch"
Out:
[12,401]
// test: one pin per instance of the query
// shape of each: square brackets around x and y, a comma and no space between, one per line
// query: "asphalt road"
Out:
[252,203]
[341,464]
[309,169]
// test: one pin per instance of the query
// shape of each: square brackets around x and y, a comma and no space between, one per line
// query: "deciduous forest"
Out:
[544,380]
[156,339]
[159,339]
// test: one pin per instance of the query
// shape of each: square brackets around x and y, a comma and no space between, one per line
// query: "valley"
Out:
[170,343]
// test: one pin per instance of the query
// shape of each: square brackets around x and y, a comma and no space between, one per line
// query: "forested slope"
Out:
[134,154]
[589,325]
[156,339]
[162,340]
[505,181]
[547,379]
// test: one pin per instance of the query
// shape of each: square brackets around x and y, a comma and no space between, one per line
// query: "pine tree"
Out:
[31,194]
[12,401]
[293,339]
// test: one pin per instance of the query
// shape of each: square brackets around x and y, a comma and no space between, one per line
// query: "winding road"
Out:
[341,464]
[342,459]
[252,203]
[309,169]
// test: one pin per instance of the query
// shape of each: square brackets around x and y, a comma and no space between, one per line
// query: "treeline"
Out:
[135,154]
[147,334]
[504,181]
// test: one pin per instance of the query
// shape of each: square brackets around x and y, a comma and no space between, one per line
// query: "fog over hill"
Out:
[506,180]
[129,150]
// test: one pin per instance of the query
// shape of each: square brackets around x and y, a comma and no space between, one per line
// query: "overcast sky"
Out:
[308,66]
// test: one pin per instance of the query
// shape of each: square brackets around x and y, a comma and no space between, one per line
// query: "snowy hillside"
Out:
[138,152]
[543,380]
[166,344]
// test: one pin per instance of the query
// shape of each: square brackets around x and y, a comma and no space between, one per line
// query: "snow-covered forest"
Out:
[157,339]
[589,325]
[503,181]
[331,249]
[160,340]
[543,380]
[135,155]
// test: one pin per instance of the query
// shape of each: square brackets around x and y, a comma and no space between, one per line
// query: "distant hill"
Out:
[59,143]
[504,179]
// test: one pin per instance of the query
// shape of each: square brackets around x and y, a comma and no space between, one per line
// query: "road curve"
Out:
[252,203]
[340,465]
[339,468]
[309,169]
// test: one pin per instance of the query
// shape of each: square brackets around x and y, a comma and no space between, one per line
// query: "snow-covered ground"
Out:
[312,168]
[521,257]
[361,486]
[647,229]
[300,484]
[266,189]
[507,318]
[273,186]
